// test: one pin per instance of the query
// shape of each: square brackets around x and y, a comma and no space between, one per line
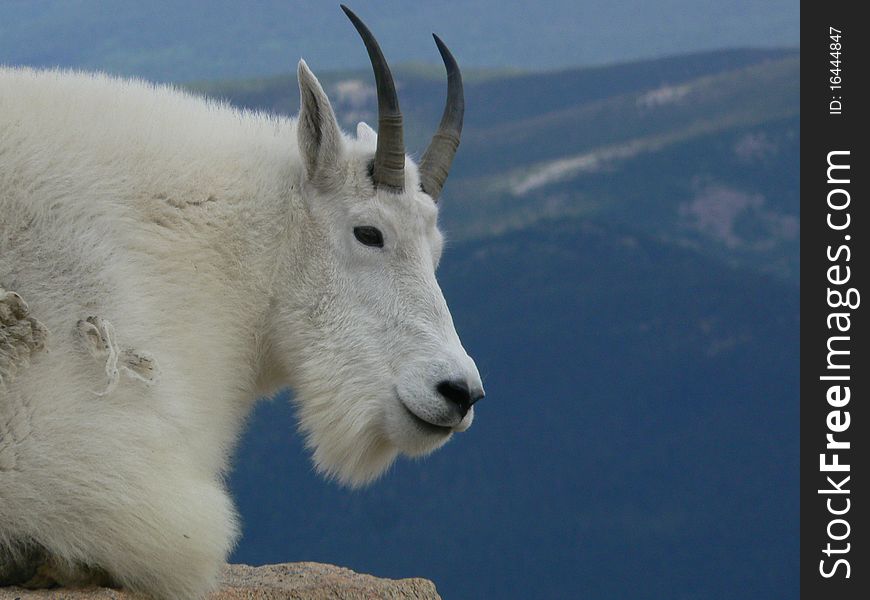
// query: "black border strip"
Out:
[833,262]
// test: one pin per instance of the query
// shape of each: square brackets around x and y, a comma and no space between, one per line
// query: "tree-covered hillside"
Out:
[623,267]
[698,150]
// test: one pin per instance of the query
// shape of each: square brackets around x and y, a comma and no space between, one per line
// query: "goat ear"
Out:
[318,134]
[365,133]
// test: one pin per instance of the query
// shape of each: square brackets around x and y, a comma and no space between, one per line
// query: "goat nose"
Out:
[458,393]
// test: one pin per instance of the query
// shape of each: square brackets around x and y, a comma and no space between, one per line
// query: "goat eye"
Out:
[370,236]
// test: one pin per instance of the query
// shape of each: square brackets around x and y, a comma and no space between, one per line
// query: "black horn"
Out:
[389,166]
[435,165]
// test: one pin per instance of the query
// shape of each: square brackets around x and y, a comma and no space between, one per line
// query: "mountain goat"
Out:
[166,260]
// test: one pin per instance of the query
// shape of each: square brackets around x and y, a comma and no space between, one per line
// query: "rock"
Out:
[296,581]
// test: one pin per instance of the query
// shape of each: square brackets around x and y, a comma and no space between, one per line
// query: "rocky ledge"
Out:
[296,581]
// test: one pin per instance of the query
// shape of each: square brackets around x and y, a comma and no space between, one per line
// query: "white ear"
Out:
[318,134]
[365,133]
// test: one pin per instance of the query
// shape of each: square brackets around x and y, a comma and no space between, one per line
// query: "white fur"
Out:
[218,244]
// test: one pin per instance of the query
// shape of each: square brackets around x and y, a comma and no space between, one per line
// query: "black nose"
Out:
[457,392]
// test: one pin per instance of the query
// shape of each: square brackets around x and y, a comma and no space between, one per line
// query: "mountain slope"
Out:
[623,266]
[624,444]
[699,150]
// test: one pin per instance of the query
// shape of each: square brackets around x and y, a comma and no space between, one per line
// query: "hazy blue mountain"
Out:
[175,40]
[699,150]
[623,267]
[624,449]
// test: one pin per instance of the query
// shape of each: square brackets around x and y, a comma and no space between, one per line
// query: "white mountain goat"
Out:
[166,260]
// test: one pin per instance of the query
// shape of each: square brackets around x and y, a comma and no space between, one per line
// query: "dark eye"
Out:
[370,236]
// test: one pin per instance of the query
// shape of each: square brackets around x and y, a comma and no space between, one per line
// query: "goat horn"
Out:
[389,166]
[435,165]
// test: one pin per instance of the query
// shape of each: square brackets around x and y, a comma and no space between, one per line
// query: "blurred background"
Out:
[623,218]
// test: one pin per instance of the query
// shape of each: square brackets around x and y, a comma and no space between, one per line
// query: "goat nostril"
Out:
[457,393]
